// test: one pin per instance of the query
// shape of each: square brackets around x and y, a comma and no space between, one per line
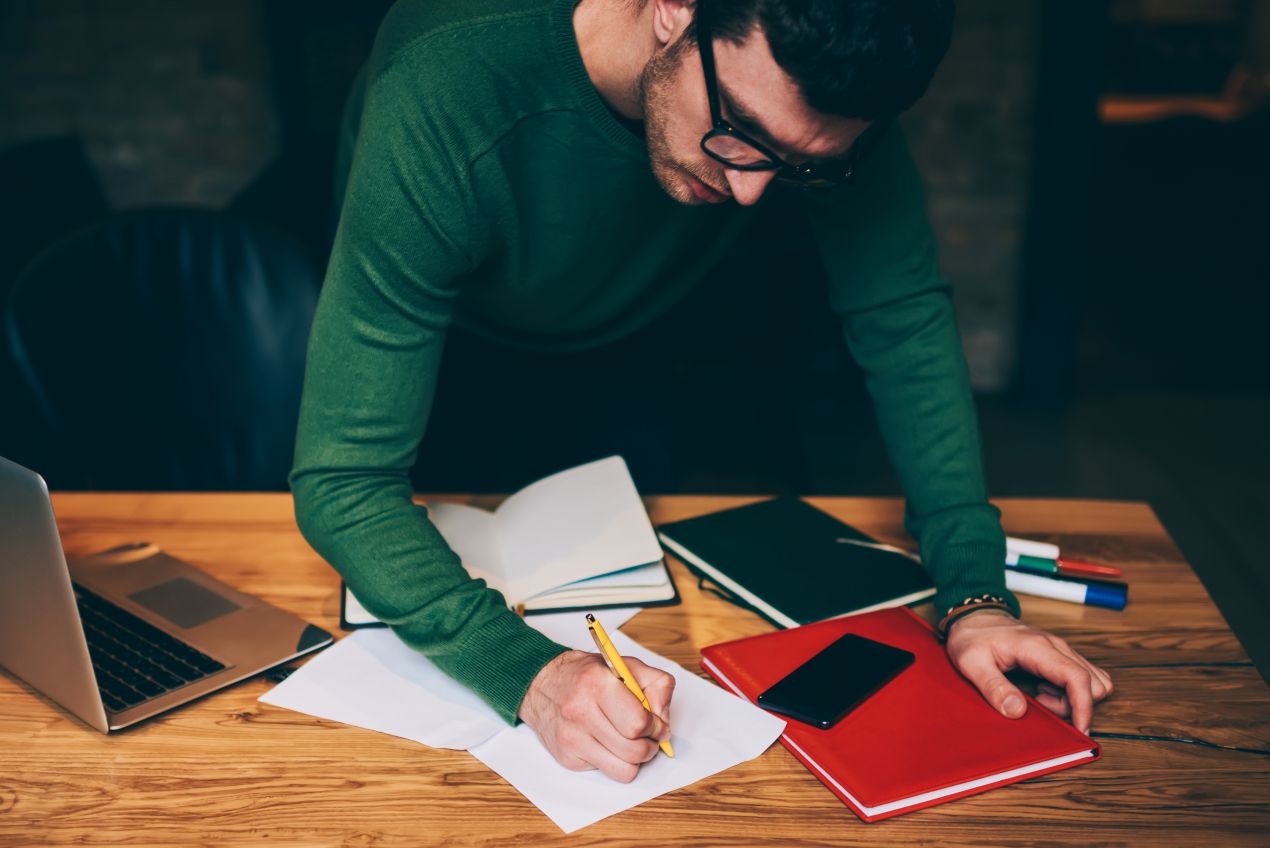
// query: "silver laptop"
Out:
[128,633]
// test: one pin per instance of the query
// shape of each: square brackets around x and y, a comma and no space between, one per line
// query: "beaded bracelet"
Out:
[969,605]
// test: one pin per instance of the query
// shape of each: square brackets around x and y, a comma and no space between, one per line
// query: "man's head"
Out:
[803,77]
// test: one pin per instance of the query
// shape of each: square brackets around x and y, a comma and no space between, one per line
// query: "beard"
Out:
[656,82]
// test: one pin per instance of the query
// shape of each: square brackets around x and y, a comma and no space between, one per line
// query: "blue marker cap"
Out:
[1110,595]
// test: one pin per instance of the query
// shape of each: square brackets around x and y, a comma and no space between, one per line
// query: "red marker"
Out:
[1069,567]
[1092,569]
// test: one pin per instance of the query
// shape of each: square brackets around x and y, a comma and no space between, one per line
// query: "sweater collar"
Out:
[601,117]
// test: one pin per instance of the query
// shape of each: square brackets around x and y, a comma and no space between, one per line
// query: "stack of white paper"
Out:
[713,731]
[372,680]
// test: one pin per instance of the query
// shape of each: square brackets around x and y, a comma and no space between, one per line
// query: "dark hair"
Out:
[867,59]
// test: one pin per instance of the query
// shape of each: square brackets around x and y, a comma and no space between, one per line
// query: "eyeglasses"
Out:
[726,144]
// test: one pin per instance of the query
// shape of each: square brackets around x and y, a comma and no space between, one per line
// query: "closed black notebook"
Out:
[783,557]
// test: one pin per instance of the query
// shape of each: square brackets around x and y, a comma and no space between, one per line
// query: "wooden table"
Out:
[228,770]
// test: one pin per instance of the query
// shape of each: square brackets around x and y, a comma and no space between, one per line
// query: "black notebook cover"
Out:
[783,558]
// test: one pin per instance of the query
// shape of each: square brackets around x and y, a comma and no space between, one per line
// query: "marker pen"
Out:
[1094,593]
[1064,567]
[1030,548]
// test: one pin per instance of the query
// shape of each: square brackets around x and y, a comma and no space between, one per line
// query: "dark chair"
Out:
[161,349]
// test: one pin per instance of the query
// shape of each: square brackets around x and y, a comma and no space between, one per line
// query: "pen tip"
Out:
[590,618]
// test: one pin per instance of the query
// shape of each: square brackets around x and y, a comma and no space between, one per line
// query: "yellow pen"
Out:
[619,668]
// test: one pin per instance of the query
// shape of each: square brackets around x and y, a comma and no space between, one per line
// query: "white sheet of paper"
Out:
[713,731]
[374,680]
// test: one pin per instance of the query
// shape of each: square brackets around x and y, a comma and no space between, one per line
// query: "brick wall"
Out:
[971,136]
[171,99]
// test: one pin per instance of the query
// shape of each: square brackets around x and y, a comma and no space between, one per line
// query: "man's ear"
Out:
[671,18]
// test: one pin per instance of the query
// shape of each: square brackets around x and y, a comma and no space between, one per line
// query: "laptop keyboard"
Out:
[134,660]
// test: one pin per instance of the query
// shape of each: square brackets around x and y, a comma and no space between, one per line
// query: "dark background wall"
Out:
[1097,178]
[193,104]
[172,102]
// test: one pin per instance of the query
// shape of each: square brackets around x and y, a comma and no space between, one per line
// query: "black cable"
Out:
[1098,734]
[1230,664]
[720,592]
[724,593]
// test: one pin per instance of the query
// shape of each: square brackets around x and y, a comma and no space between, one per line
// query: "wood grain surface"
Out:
[228,770]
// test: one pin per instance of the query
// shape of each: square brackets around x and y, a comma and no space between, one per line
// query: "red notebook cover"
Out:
[925,738]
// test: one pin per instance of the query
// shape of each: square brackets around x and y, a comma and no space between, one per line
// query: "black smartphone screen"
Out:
[835,681]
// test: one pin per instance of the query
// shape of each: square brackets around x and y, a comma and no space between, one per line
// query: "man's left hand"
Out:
[985,645]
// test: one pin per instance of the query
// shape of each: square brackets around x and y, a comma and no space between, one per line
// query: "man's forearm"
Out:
[374,359]
[401,570]
[916,373]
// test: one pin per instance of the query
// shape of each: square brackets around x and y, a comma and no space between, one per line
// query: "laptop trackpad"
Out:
[183,602]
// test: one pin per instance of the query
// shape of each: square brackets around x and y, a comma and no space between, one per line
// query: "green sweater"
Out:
[484,181]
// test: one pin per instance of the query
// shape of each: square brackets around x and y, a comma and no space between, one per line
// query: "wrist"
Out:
[535,695]
[975,604]
[978,614]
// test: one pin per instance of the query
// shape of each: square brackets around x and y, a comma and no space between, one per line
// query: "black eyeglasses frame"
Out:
[805,175]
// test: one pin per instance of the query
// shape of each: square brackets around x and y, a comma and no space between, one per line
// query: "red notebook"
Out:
[924,738]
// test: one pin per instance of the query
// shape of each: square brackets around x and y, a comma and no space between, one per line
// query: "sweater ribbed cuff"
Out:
[968,570]
[499,661]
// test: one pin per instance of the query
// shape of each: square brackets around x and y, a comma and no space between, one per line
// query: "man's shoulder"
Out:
[456,35]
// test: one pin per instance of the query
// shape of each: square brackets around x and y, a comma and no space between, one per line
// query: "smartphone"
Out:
[835,681]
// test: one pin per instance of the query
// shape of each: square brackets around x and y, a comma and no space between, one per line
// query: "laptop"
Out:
[129,633]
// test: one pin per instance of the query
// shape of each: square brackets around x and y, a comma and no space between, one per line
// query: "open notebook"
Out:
[579,539]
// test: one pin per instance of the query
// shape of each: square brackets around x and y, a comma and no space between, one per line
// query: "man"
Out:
[499,176]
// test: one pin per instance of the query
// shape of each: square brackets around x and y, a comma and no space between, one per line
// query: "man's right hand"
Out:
[588,719]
